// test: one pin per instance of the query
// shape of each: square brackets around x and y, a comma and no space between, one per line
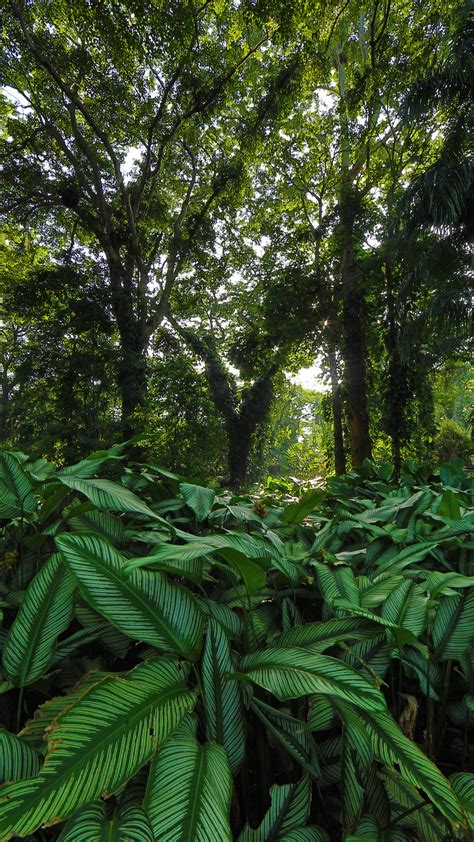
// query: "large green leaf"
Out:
[145,605]
[16,494]
[189,792]
[86,824]
[391,747]
[111,496]
[290,673]
[97,743]
[221,694]
[419,811]
[45,613]
[296,512]
[90,824]
[291,733]
[407,606]
[288,812]
[323,635]
[199,499]
[18,760]
[356,760]
[453,630]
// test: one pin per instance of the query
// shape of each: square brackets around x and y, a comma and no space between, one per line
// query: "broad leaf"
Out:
[221,695]
[288,812]
[145,606]
[199,499]
[189,792]
[45,613]
[96,744]
[290,673]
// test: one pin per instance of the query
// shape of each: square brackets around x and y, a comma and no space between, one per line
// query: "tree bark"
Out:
[4,403]
[336,402]
[354,344]
[132,368]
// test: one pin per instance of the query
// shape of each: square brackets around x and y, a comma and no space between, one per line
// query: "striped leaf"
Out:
[224,713]
[108,495]
[96,744]
[453,630]
[291,673]
[145,605]
[17,759]
[392,748]
[407,606]
[189,792]
[90,824]
[291,733]
[15,487]
[288,812]
[199,499]
[323,635]
[46,611]
[408,798]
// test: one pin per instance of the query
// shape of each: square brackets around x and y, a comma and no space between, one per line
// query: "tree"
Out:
[175,86]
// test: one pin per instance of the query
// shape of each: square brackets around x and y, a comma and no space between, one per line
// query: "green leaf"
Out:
[356,761]
[336,582]
[296,512]
[291,733]
[199,499]
[86,825]
[463,785]
[15,487]
[145,606]
[45,613]
[407,607]
[189,792]
[322,635]
[291,673]
[221,696]
[453,629]
[392,748]
[97,743]
[449,506]
[288,811]
[18,761]
[408,798]
[306,834]
[110,496]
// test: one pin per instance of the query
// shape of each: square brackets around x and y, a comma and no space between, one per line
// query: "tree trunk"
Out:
[132,369]
[354,344]
[339,455]
[239,437]
[4,403]
[396,386]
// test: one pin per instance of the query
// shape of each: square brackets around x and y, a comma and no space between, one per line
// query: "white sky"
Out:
[310,378]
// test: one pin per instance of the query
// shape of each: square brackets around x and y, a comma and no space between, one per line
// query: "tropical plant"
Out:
[179,664]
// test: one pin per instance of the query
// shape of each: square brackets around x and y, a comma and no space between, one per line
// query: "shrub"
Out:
[179,664]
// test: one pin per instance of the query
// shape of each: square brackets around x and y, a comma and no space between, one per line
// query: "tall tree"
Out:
[176,87]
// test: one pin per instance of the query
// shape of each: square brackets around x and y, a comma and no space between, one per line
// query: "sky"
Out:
[310,378]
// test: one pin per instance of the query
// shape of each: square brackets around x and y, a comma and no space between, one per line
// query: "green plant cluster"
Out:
[181,664]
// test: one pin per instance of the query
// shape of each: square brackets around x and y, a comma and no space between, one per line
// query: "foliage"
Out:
[452,442]
[179,663]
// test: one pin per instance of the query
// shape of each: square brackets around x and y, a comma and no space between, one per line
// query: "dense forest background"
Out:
[199,201]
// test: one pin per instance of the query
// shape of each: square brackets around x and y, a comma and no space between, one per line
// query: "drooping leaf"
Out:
[288,812]
[221,696]
[453,629]
[109,495]
[145,605]
[189,792]
[97,743]
[18,761]
[45,613]
[199,499]
[290,673]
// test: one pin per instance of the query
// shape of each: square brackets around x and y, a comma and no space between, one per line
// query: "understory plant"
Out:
[180,664]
